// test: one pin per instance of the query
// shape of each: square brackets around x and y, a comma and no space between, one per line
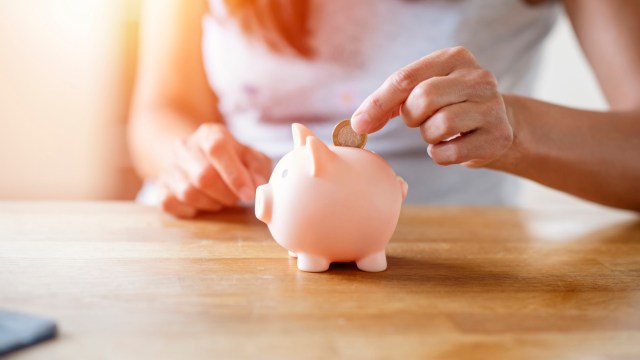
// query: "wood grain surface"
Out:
[127,282]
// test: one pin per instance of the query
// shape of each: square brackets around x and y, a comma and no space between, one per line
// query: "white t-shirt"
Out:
[358,44]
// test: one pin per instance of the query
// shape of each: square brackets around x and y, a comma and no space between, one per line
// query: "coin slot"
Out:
[285,172]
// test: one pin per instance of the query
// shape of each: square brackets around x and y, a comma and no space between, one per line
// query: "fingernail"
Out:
[429,151]
[247,193]
[360,122]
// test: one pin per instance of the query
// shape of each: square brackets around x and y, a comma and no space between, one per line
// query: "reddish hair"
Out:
[281,24]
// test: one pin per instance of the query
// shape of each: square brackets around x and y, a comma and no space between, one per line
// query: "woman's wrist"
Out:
[154,134]
[513,158]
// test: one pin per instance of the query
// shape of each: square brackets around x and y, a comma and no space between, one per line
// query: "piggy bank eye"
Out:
[285,172]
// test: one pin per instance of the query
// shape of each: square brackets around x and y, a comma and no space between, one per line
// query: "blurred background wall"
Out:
[66,72]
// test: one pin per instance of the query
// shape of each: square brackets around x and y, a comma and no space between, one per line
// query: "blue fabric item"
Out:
[18,331]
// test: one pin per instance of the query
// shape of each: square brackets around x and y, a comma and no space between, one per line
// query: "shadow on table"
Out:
[605,260]
[236,215]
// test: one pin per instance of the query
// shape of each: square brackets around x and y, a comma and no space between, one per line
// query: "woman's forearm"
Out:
[172,96]
[593,155]
[153,133]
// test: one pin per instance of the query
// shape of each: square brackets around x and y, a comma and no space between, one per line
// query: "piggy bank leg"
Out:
[375,262]
[312,263]
[292,254]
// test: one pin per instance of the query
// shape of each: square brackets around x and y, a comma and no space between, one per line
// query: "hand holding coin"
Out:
[344,135]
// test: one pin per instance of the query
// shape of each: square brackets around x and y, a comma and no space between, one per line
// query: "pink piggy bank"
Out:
[331,204]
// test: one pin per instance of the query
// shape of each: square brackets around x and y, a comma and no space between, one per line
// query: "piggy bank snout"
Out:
[264,203]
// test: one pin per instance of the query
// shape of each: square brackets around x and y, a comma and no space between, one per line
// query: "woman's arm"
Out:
[171,96]
[176,134]
[594,155]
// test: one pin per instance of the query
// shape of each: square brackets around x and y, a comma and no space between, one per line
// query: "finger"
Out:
[180,186]
[219,148]
[203,176]
[451,121]
[384,103]
[473,149]
[173,206]
[259,165]
[437,92]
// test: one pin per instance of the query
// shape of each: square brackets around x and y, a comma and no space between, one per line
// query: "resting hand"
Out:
[211,170]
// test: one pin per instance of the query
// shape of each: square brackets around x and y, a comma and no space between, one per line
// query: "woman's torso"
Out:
[357,44]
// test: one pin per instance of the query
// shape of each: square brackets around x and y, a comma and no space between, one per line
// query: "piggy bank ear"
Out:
[300,133]
[321,156]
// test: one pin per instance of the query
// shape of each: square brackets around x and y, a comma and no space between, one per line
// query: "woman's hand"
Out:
[454,102]
[211,171]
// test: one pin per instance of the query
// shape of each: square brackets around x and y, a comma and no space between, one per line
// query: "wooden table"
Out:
[126,281]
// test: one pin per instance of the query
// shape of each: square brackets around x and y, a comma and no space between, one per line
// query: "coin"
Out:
[344,135]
